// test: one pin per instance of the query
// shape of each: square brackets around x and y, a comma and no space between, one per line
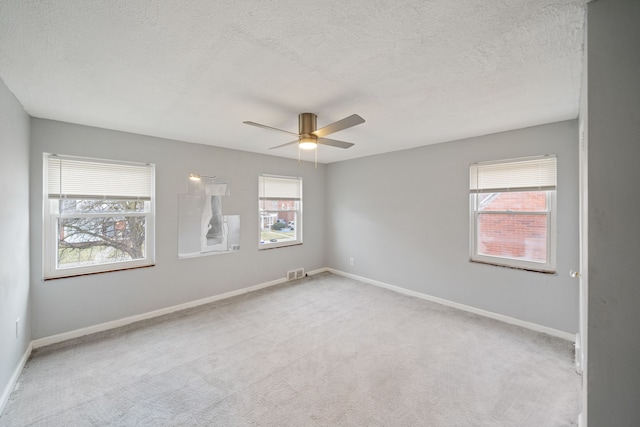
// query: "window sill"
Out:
[276,246]
[530,269]
[67,276]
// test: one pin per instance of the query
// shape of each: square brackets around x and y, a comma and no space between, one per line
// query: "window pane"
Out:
[280,210]
[517,236]
[74,206]
[527,201]
[278,227]
[99,215]
[101,240]
[279,205]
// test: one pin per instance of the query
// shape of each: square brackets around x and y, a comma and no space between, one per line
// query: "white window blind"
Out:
[280,188]
[537,174]
[71,178]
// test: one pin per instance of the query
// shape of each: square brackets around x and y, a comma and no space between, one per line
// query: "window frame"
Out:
[52,215]
[549,266]
[298,213]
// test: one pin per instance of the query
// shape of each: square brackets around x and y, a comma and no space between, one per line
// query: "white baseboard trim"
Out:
[53,339]
[318,271]
[511,320]
[14,378]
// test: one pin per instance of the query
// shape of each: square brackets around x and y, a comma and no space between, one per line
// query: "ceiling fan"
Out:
[309,136]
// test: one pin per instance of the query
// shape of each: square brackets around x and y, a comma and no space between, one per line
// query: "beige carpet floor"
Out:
[321,351]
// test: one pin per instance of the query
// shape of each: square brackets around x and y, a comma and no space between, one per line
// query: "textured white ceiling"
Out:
[418,71]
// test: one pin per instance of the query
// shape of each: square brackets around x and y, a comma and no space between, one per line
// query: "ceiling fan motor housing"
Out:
[307,123]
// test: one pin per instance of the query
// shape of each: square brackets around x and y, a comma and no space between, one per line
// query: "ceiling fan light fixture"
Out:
[308,143]
[309,136]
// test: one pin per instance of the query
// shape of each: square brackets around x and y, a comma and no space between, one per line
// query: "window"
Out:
[99,215]
[513,215]
[280,209]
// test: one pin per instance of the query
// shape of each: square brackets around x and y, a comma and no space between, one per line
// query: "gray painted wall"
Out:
[67,304]
[404,217]
[614,211]
[14,234]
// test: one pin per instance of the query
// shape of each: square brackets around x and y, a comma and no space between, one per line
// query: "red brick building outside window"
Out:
[513,225]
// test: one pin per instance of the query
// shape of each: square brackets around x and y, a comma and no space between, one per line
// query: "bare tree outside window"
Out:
[100,231]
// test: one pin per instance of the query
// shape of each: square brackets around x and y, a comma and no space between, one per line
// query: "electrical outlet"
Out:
[17,327]
[351,261]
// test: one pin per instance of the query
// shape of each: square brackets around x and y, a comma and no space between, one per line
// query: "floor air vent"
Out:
[295,274]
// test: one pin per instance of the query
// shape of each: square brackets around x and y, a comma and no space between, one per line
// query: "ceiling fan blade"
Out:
[334,143]
[284,145]
[269,127]
[345,123]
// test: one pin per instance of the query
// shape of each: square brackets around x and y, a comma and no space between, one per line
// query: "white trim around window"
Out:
[279,211]
[513,214]
[98,215]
